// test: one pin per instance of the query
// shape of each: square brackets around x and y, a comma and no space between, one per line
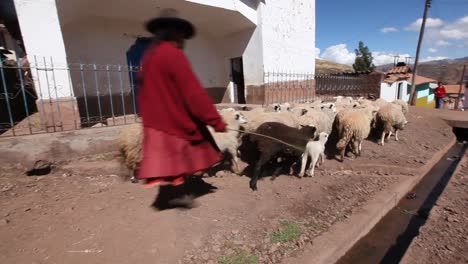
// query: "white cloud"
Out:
[339,53]
[317,53]
[389,29]
[443,43]
[432,50]
[381,58]
[430,58]
[430,23]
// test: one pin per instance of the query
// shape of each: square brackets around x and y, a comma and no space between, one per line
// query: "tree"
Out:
[363,62]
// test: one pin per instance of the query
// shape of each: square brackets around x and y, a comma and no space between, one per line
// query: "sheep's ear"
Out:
[304,111]
[322,107]
[237,116]
[277,108]
[331,106]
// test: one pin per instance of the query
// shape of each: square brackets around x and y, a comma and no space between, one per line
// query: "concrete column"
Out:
[45,48]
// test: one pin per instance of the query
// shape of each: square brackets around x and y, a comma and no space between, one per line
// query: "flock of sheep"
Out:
[286,136]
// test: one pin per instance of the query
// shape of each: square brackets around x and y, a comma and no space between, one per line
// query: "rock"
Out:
[216,249]
[27,209]
[4,222]
[450,248]
[205,256]
[39,168]
[273,248]
[99,125]
[452,219]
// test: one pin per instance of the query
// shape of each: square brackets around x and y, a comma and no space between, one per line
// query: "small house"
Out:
[397,85]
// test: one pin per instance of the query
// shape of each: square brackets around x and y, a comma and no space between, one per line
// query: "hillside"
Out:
[448,71]
[328,67]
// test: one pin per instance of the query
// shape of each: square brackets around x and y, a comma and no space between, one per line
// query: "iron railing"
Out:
[41,95]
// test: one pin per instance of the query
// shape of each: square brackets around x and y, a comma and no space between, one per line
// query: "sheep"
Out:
[389,117]
[131,140]
[314,150]
[321,120]
[403,104]
[228,142]
[380,102]
[258,118]
[130,147]
[270,149]
[353,126]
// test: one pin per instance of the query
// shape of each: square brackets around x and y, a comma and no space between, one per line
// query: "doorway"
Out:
[237,77]
[399,95]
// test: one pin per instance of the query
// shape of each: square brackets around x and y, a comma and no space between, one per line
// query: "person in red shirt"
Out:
[175,108]
[439,94]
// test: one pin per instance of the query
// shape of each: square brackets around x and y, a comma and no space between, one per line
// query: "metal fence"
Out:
[43,96]
[302,87]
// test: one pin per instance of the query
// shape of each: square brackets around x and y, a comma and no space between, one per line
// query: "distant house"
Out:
[452,91]
[397,85]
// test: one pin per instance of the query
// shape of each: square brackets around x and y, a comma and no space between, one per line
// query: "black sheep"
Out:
[270,149]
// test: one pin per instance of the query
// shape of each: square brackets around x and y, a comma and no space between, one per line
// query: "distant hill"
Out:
[448,71]
[328,67]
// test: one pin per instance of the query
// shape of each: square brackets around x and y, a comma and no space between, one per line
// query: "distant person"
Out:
[439,94]
[465,98]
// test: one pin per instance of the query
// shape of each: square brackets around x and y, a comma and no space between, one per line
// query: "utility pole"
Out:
[415,69]
[461,86]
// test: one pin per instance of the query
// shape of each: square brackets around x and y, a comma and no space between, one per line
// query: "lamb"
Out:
[390,117]
[130,147]
[270,149]
[353,126]
[228,142]
[314,150]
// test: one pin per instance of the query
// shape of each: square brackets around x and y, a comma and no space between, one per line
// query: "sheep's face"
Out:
[323,136]
[308,131]
[241,119]
[328,107]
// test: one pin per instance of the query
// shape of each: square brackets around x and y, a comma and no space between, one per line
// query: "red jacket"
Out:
[171,98]
[439,92]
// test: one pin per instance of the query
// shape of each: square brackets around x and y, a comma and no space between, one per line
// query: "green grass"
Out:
[289,231]
[317,226]
[242,257]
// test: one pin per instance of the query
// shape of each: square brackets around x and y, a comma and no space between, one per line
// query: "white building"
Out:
[250,36]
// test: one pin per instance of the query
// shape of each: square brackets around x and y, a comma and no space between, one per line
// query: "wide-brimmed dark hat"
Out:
[169,18]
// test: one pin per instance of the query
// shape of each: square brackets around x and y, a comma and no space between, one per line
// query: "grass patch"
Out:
[289,231]
[242,257]
[317,226]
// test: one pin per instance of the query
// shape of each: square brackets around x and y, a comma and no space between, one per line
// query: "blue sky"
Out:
[341,24]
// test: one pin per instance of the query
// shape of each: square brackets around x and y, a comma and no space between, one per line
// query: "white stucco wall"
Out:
[42,37]
[389,92]
[288,29]
[105,41]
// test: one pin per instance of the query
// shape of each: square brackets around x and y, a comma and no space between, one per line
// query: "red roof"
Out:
[398,70]
[454,88]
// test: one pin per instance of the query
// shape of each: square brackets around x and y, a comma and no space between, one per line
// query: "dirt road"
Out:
[84,213]
[444,237]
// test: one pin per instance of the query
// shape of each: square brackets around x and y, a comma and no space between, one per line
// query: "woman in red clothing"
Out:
[439,94]
[175,108]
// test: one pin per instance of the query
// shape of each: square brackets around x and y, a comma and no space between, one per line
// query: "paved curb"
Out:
[341,237]
[405,259]
[59,146]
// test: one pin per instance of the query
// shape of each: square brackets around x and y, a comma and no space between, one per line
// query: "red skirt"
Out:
[168,158]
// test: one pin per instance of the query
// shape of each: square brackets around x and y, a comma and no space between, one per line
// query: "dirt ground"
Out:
[84,213]
[444,237]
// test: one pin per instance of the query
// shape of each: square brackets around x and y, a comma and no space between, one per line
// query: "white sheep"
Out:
[320,119]
[387,118]
[228,141]
[314,150]
[403,104]
[130,147]
[353,127]
[258,118]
